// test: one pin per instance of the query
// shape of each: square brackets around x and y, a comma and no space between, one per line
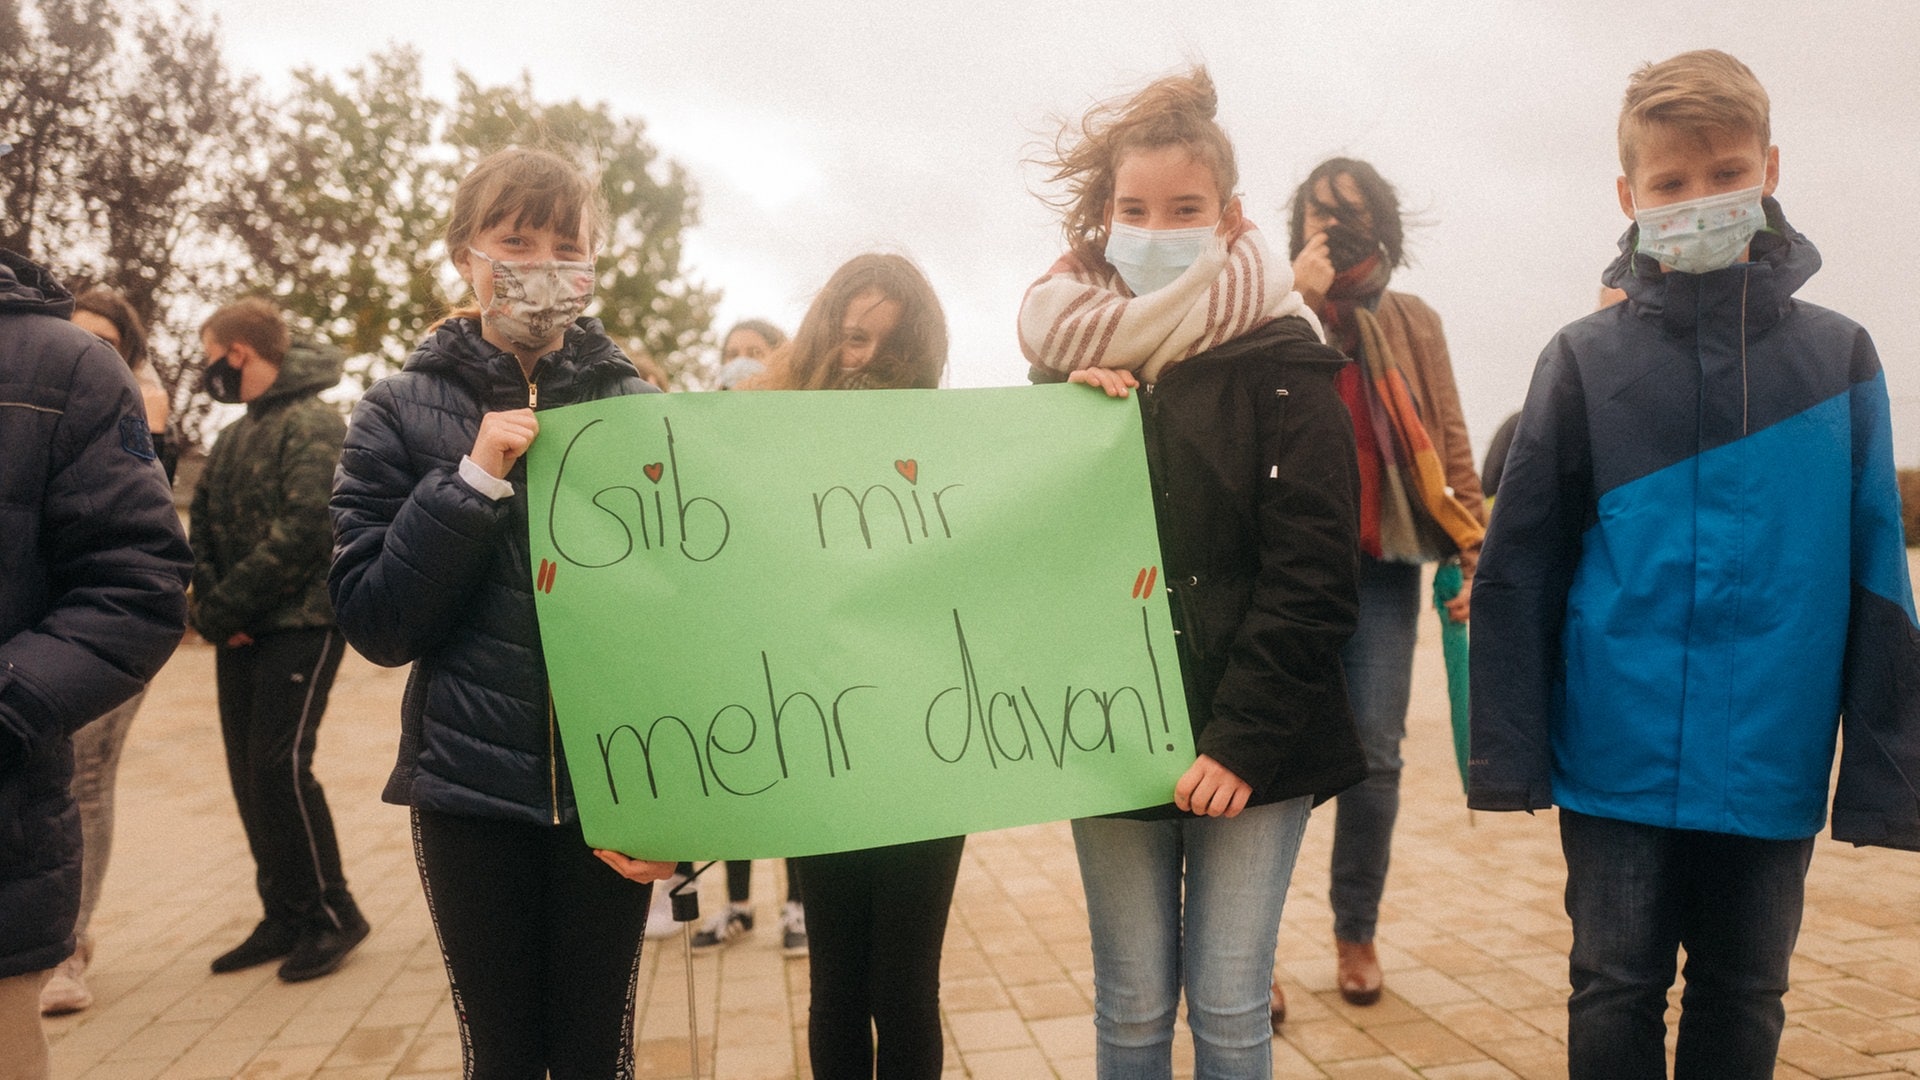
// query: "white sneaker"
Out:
[66,990]
[725,927]
[793,929]
[660,921]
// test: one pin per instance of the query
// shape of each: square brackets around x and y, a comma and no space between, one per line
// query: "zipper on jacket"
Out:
[533,393]
[1280,414]
[1745,277]
[553,760]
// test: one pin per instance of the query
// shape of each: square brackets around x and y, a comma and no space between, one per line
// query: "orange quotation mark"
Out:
[544,582]
[1143,582]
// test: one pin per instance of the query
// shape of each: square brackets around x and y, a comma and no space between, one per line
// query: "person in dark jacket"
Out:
[1253,463]
[260,540]
[1695,577]
[541,935]
[92,604]
[96,746]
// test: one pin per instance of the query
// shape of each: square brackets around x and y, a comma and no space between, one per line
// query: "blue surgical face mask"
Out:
[1150,259]
[1701,235]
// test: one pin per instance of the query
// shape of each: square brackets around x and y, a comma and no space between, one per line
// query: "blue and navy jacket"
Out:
[1696,569]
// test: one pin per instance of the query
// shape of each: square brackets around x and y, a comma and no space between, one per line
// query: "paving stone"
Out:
[1472,936]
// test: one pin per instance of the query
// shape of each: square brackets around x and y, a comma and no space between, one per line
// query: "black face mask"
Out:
[1348,247]
[221,381]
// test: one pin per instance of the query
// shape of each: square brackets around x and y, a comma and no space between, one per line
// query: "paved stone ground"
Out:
[1472,936]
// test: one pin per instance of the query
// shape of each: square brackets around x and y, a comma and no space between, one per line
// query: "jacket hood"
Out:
[456,349]
[1782,259]
[27,288]
[308,368]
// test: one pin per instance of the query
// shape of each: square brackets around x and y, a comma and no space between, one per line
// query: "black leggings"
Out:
[875,923]
[542,945]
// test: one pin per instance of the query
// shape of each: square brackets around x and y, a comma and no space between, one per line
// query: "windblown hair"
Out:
[1377,198]
[1704,92]
[254,321]
[912,356]
[534,188]
[114,308]
[1177,110]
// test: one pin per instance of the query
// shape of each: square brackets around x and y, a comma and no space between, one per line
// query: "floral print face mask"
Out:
[534,302]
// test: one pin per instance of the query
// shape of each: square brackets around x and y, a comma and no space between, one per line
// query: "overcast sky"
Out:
[819,130]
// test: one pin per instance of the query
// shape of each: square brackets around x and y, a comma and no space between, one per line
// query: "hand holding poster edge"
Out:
[781,624]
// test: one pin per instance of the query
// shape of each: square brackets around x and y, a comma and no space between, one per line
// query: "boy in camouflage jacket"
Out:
[262,542]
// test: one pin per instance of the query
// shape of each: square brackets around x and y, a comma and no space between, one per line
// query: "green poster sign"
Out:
[790,623]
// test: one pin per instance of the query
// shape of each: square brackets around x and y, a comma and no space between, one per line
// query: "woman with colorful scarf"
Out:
[1419,503]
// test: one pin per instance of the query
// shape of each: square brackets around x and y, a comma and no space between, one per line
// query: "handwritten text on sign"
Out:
[787,623]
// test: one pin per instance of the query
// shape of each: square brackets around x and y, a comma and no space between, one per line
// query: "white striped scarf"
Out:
[1074,318]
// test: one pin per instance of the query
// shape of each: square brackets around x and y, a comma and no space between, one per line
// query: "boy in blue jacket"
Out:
[1695,578]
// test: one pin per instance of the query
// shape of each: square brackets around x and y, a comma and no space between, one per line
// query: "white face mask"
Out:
[1150,259]
[535,302]
[1701,235]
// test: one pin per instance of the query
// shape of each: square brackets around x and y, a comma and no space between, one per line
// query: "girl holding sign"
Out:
[875,918]
[1252,458]
[541,936]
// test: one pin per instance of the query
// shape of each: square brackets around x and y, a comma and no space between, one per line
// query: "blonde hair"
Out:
[1702,92]
[1177,110]
[912,356]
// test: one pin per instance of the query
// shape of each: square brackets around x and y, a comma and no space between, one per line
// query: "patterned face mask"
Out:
[1701,235]
[535,302]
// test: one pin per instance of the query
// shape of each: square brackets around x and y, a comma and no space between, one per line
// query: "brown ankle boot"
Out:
[1359,976]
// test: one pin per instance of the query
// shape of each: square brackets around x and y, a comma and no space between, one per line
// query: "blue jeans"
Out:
[1145,947]
[1637,894]
[1379,664]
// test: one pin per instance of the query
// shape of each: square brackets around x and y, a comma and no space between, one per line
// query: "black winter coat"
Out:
[430,572]
[1252,458]
[93,597]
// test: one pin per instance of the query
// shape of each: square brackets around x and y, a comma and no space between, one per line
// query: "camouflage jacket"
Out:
[261,536]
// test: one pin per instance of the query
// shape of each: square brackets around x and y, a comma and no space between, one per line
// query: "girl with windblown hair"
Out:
[1252,462]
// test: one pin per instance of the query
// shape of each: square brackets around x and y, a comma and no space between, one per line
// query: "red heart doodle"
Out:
[653,471]
[909,469]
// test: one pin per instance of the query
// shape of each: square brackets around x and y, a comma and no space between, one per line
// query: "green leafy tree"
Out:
[56,69]
[643,295]
[340,216]
[124,125]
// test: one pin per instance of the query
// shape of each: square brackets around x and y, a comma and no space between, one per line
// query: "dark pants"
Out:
[1637,895]
[542,945]
[272,695]
[875,923]
[1378,660]
[740,880]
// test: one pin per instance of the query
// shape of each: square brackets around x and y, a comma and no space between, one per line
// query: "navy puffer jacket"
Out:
[430,572]
[93,598]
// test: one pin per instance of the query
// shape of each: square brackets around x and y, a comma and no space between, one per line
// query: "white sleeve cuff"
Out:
[483,481]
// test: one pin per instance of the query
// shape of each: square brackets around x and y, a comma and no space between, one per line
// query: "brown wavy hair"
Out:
[1377,198]
[536,188]
[1177,110]
[912,356]
[111,306]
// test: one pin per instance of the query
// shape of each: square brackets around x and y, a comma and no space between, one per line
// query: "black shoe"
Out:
[269,941]
[323,948]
